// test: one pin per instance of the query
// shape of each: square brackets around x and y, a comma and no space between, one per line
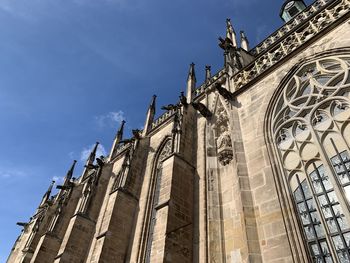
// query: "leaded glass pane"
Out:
[341,164]
[310,234]
[316,183]
[311,205]
[347,191]
[327,212]
[343,257]
[323,201]
[326,251]
[306,189]
[338,243]
[302,208]
[347,239]
[332,225]
[333,198]
[319,230]
[298,196]
[342,222]
[315,249]
[308,95]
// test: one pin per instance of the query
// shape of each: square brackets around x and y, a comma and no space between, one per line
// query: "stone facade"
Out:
[216,178]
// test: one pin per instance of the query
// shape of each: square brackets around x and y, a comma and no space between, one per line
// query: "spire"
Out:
[117,139]
[92,155]
[230,32]
[47,195]
[207,73]
[150,116]
[120,131]
[70,173]
[244,41]
[191,83]
[90,160]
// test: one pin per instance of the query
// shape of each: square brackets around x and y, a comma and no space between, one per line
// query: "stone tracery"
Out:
[312,133]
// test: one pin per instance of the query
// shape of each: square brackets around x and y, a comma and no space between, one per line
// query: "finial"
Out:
[118,138]
[192,73]
[207,73]
[50,187]
[95,148]
[244,41]
[191,83]
[92,155]
[121,130]
[150,116]
[47,195]
[71,171]
[153,102]
[230,32]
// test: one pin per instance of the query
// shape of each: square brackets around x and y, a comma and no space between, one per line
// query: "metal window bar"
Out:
[312,224]
[342,163]
[330,204]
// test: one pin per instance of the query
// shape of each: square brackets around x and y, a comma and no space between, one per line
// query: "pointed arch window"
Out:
[311,129]
[165,152]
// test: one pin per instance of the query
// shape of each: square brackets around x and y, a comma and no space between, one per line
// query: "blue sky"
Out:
[71,70]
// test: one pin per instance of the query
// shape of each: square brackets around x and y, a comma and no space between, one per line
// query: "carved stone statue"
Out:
[224,139]
[224,146]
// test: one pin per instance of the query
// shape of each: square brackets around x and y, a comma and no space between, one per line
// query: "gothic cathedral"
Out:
[251,166]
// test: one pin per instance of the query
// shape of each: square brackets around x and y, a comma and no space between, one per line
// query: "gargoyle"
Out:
[136,134]
[90,166]
[65,187]
[126,141]
[22,224]
[100,161]
[223,92]
[226,44]
[183,99]
[203,110]
[169,107]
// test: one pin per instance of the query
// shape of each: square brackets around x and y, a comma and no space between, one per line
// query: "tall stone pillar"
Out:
[116,220]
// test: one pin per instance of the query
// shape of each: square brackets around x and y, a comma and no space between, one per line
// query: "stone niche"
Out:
[223,137]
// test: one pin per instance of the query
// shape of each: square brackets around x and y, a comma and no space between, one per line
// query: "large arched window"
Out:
[311,132]
[155,197]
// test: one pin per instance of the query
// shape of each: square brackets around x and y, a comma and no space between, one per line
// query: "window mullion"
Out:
[340,187]
[330,205]
[310,218]
[341,159]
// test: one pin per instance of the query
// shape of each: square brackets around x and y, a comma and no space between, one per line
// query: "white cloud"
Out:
[71,155]
[87,150]
[110,119]
[58,179]
[11,173]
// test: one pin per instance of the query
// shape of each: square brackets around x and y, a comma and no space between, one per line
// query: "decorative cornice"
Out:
[163,118]
[284,30]
[310,28]
[310,23]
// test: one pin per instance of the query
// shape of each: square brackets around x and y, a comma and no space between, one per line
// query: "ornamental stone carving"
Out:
[224,141]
